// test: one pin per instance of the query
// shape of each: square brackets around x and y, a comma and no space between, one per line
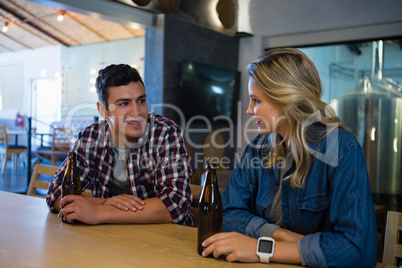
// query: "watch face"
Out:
[265,246]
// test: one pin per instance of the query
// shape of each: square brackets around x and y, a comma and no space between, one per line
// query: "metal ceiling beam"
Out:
[21,19]
[106,9]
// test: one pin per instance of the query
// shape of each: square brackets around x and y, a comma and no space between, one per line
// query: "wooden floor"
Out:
[16,181]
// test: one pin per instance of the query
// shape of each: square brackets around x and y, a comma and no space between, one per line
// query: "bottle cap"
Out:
[210,165]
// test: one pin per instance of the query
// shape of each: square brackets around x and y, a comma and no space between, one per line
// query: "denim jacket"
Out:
[334,208]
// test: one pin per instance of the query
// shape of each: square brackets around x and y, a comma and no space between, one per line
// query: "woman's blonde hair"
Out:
[289,78]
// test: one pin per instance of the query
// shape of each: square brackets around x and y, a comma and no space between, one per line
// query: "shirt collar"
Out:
[144,137]
[140,142]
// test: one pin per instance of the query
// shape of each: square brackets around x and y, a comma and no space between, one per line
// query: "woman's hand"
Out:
[282,234]
[125,202]
[236,247]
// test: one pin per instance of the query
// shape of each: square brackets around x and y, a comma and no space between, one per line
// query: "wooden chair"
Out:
[61,143]
[213,150]
[6,150]
[392,246]
[381,218]
[214,147]
[35,178]
[61,140]
[36,183]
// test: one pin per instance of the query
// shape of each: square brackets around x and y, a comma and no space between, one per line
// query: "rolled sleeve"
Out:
[268,229]
[311,250]
[253,227]
[54,190]
[303,261]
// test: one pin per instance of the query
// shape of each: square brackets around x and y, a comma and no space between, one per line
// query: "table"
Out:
[42,136]
[16,133]
[30,236]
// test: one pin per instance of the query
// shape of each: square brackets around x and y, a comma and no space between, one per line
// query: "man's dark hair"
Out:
[114,76]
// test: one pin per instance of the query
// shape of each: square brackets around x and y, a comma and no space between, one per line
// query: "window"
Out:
[342,66]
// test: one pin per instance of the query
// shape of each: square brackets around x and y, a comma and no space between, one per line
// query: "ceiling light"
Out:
[61,16]
[5,27]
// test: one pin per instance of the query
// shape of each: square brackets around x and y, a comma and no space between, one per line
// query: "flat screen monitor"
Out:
[209,91]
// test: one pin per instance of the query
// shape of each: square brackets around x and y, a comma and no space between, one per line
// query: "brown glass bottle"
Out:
[71,183]
[210,209]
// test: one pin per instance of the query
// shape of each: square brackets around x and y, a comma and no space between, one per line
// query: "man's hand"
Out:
[77,207]
[236,247]
[125,202]
[91,211]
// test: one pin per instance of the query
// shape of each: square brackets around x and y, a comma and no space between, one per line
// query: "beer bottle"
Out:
[71,183]
[210,209]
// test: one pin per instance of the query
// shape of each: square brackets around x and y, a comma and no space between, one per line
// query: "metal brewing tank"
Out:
[373,111]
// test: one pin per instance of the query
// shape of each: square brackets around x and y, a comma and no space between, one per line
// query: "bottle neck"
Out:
[72,161]
[211,181]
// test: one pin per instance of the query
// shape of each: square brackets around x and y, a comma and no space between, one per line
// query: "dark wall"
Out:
[191,42]
[175,41]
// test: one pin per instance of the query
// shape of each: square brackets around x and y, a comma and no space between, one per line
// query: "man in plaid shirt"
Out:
[135,164]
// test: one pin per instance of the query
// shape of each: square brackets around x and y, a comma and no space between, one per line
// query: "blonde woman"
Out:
[301,185]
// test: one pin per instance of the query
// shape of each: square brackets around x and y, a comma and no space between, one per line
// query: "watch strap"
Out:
[264,258]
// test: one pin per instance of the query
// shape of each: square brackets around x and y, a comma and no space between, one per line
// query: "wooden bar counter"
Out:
[31,236]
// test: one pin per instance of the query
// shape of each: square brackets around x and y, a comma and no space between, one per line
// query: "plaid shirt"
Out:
[158,166]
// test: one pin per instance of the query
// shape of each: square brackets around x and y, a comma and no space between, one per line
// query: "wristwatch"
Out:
[265,248]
